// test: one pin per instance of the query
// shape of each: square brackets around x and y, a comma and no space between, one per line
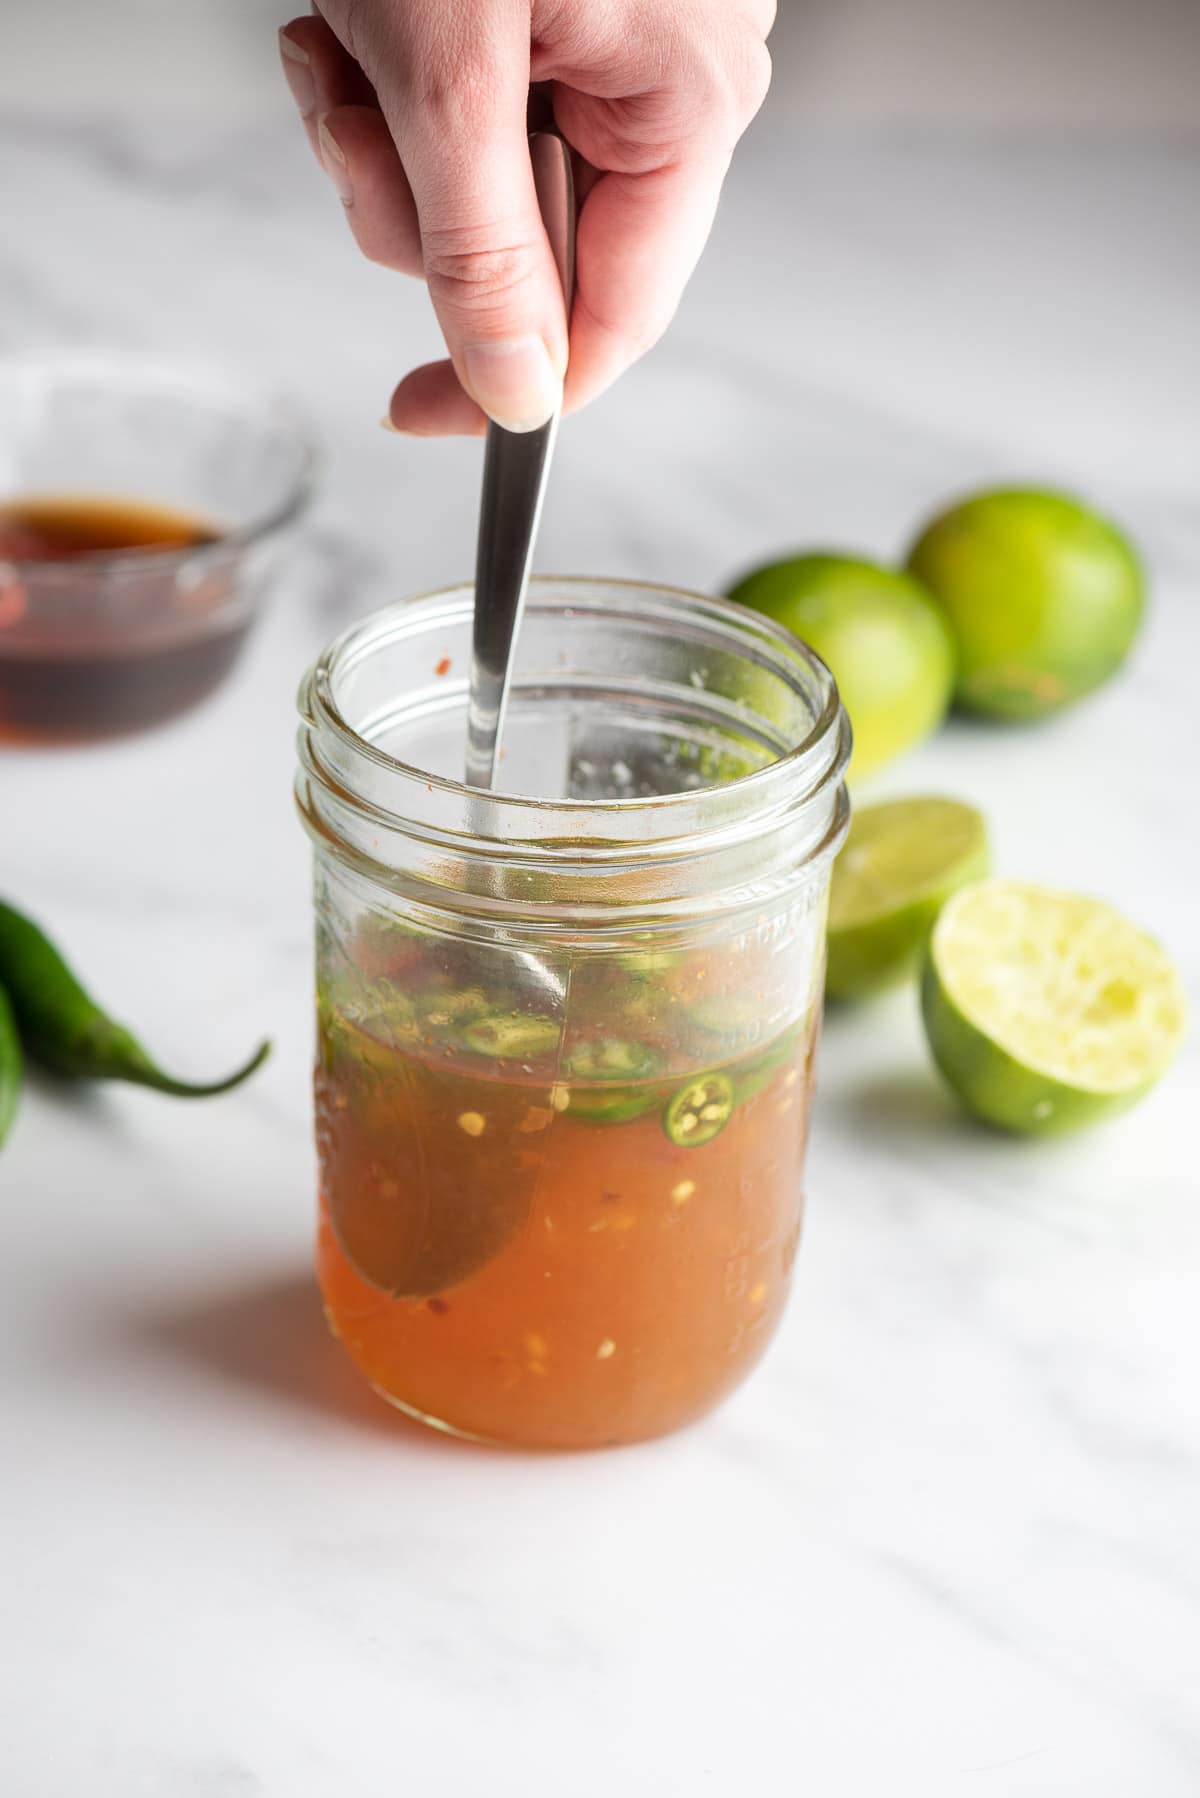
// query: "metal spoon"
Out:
[514,481]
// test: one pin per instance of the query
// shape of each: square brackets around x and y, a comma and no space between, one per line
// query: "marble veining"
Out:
[945,1541]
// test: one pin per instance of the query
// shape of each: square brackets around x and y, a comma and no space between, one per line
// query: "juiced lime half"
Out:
[899,864]
[1046,1011]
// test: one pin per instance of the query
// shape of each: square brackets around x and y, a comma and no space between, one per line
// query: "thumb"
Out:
[487,260]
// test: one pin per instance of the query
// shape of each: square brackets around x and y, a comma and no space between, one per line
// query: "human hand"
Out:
[418,111]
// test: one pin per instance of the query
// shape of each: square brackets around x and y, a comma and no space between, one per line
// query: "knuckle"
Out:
[728,80]
[457,95]
[476,271]
[754,76]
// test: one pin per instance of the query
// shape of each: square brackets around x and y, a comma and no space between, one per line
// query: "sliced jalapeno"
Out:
[614,1064]
[363,1035]
[758,1072]
[383,1013]
[612,1058]
[731,1016]
[648,962]
[512,1036]
[440,1010]
[612,1105]
[699,1111]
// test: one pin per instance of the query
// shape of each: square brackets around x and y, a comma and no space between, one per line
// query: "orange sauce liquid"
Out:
[59,527]
[545,1281]
[73,666]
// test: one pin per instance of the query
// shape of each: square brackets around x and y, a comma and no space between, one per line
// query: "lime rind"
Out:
[902,860]
[1044,595]
[886,640]
[899,851]
[1046,1010]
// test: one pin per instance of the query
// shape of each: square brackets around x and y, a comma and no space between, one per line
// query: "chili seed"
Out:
[607,1347]
[683,1192]
[473,1122]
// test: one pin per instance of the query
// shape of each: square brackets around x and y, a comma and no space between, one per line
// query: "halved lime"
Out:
[1043,594]
[1046,1011]
[885,640]
[899,864]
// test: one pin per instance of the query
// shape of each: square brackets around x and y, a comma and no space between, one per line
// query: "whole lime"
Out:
[1044,597]
[886,643]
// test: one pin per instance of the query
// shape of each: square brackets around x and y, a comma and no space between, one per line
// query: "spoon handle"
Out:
[515,467]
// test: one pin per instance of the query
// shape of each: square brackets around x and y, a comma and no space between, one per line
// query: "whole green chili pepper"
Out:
[11,1065]
[64,1029]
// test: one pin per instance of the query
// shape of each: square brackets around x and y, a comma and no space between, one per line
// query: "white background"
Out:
[945,1541]
[1106,65]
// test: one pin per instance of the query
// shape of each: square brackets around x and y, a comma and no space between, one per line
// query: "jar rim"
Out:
[319,705]
[690,849]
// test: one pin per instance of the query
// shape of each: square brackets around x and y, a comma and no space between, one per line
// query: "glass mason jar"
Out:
[566,1039]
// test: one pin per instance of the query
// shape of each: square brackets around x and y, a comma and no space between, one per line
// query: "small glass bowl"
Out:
[116,640]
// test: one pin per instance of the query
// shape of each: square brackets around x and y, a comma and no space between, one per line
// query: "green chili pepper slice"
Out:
[614,1064]
[358,1027]
[699,1111]
[732,1016]
[645,963]
[612,1058]
[12,1066]
[440,1010]
[512,1036]
[616,1105]
[62,1027]
[388,1015]
[757,1073]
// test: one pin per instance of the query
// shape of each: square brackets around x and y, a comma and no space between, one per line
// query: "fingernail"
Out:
[334,158]
[385,424]
[297,72]
[514,381]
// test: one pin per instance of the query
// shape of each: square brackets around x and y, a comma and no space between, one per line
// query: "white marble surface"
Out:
[945,1541]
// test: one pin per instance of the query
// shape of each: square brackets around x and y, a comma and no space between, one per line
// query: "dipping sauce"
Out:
[65,526]
[109,618]
[563,1231]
